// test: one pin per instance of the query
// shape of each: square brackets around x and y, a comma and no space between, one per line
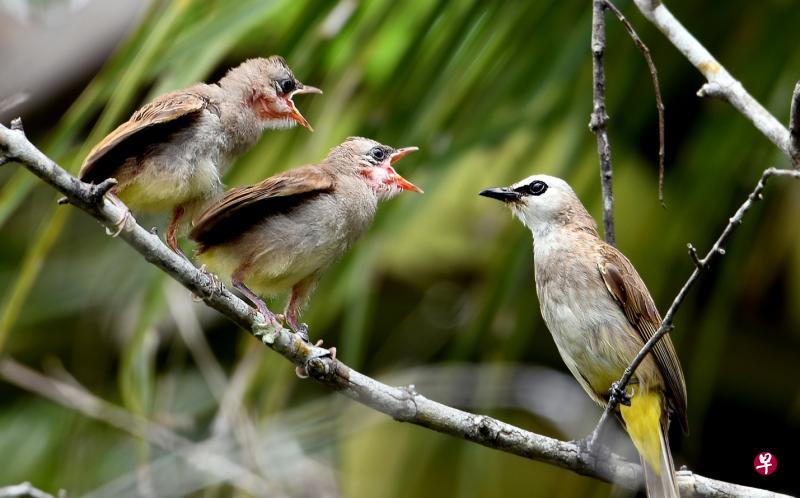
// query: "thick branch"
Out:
[598,121]
[720,82]
[700,265]
[402,404]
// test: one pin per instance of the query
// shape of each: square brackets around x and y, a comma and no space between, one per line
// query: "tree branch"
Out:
[794,122]
[700,265]
[81,400]
[720,83]
[25,490]
[656,88]
[402,404]
[598,121]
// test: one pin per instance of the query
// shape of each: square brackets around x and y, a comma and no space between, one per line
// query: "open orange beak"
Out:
[401,182]
[294,113]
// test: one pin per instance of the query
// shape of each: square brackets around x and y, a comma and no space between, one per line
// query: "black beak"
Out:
[504,194]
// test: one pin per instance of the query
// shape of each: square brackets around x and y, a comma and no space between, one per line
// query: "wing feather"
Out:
[627,288]
[242,207]
[154,122]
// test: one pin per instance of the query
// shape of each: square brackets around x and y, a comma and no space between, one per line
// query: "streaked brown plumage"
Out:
[282,233]
[171,153]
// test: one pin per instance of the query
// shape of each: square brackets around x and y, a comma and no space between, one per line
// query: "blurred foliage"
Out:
[491,92]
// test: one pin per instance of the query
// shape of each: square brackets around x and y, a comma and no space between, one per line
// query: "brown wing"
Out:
[628,289]
[153,123]
[242,207]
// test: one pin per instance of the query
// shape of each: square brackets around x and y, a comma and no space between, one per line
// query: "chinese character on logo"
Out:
[765,463]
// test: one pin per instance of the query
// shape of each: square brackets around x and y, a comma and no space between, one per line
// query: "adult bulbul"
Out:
[600,314]
[281,234]
[171,153]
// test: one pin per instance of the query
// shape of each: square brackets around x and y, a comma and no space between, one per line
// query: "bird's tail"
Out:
[646,422]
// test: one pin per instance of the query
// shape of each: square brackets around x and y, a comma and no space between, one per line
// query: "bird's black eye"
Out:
[378,153]
[536,187]
[287,86]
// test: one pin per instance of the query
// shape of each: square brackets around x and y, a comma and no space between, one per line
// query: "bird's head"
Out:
[542,202]
[374,163]
[268,86]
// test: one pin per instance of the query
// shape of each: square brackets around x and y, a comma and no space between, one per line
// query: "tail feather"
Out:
[661,484]
[647,421]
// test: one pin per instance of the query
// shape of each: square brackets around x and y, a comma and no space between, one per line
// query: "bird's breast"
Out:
[590,330]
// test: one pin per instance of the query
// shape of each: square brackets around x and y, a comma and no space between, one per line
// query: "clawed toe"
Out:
[121,223]
[302,331]
[301,371]
[216,286]
[623,398]
[216,283]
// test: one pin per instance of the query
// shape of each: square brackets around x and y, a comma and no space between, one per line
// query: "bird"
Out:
[282,233]
[600,314]
[171,153]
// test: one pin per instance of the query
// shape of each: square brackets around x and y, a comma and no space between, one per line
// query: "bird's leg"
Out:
[123,220]
[591,443]
[172,229]
[255,300]
[292,313]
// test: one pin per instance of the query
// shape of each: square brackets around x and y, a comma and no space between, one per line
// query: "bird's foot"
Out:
[122,223]
[621,395]
[302,331]
[267,326]
[301,371]
[215,284]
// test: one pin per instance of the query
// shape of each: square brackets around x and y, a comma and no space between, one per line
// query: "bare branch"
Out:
[694,256]
[700,264]
[402,404]
[25,490]
[598,121]
[656,88]
[12,101]
[81,400]
[720,82]
[794,123]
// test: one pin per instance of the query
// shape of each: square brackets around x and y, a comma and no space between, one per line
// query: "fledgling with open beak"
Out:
[282,233]
[171,153]
[600,314]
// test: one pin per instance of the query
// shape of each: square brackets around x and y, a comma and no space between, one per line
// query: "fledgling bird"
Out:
[600,314]
[282,233]
[172,152]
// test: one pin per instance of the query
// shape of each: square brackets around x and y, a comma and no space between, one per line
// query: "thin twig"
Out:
[794,125]
[12,101]
[700,264]
[694,256]
[598,121]
[78,398]
[402,404]
[720,82]
[656,88]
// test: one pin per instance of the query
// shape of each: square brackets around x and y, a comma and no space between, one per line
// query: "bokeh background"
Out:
[440,292]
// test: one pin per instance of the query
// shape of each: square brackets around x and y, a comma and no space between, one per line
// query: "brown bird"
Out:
[284,232]
[171,153]
[600,314]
